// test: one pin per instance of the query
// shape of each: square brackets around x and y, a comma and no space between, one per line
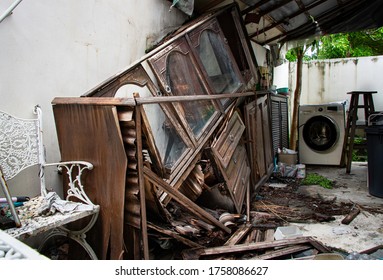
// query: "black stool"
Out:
[351,125]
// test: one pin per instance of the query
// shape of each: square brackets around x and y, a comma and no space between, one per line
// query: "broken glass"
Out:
[183,79]
[161,132]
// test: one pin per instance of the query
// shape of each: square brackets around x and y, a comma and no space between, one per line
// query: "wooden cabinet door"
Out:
[258,134]
[179,75]
[228,140]
[214,56]
[231,157]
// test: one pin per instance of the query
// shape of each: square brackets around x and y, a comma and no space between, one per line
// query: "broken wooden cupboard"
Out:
[183,128]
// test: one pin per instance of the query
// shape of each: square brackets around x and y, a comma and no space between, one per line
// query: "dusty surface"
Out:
[348,187]
[318,212]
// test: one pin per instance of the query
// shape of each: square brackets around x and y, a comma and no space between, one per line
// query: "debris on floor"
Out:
[283,223]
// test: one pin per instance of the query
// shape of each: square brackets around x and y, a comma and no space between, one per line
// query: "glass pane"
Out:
[183,80]
[217,63]
[168,142]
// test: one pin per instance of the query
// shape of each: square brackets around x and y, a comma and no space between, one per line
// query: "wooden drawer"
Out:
[238,174]
[224,147]
[231,158]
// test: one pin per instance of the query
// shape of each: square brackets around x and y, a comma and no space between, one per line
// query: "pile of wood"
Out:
[263,250]
[250,238]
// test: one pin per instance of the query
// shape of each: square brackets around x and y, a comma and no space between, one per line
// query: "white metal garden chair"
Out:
[21,146]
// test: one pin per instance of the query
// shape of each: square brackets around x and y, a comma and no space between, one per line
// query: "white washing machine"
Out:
[321,133]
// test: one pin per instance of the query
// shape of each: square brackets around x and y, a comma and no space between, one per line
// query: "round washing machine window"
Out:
[320,133]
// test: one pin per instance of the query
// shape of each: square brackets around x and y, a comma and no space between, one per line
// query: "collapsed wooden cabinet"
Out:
[181,130]
[130,187]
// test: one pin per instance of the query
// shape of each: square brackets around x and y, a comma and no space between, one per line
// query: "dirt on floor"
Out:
[316,211]
[288,199]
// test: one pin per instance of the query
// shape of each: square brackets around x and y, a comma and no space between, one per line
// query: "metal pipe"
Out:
[9,10]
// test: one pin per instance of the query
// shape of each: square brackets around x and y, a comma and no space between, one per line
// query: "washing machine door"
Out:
[320,133]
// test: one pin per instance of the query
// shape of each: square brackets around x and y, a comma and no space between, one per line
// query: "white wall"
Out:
[66,47]
[329,80]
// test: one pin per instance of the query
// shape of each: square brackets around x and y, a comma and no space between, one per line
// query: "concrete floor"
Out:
[366,230]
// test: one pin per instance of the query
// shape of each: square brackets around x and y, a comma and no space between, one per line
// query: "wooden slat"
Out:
[239,187]
[269,234]
[238,235]
[175,235]
[239,157]
[190,163]
[240,248]
[125,116]
[251,236]
[227,142]
[102,101]
[282,252]
[183,200]
[140,161]
[185,98]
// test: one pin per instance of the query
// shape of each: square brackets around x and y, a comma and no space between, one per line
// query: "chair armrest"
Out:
[74,170]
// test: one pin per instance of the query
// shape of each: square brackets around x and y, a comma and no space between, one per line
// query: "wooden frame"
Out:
[194,254]
[187,83]
[259,139]
[137,76]
[231,158]
[194,38]
[151,72]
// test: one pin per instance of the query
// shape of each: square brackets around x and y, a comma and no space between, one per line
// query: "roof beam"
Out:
[302,8]
[324,19]
[286,19]
[253,7]
[306,26]
[255,17]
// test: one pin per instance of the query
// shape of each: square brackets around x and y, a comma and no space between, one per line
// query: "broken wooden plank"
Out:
[187,98]
[94,101]
[141,181]
[319,246]
[202,224]
[251,236]
[238,235]
[183,200]
[240,248]
[259,236]
[351,216]
[176,236]
[269,234]
[371,250]
[125,116]
[282,252]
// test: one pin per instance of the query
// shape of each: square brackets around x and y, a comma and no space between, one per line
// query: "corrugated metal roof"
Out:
[279,21]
